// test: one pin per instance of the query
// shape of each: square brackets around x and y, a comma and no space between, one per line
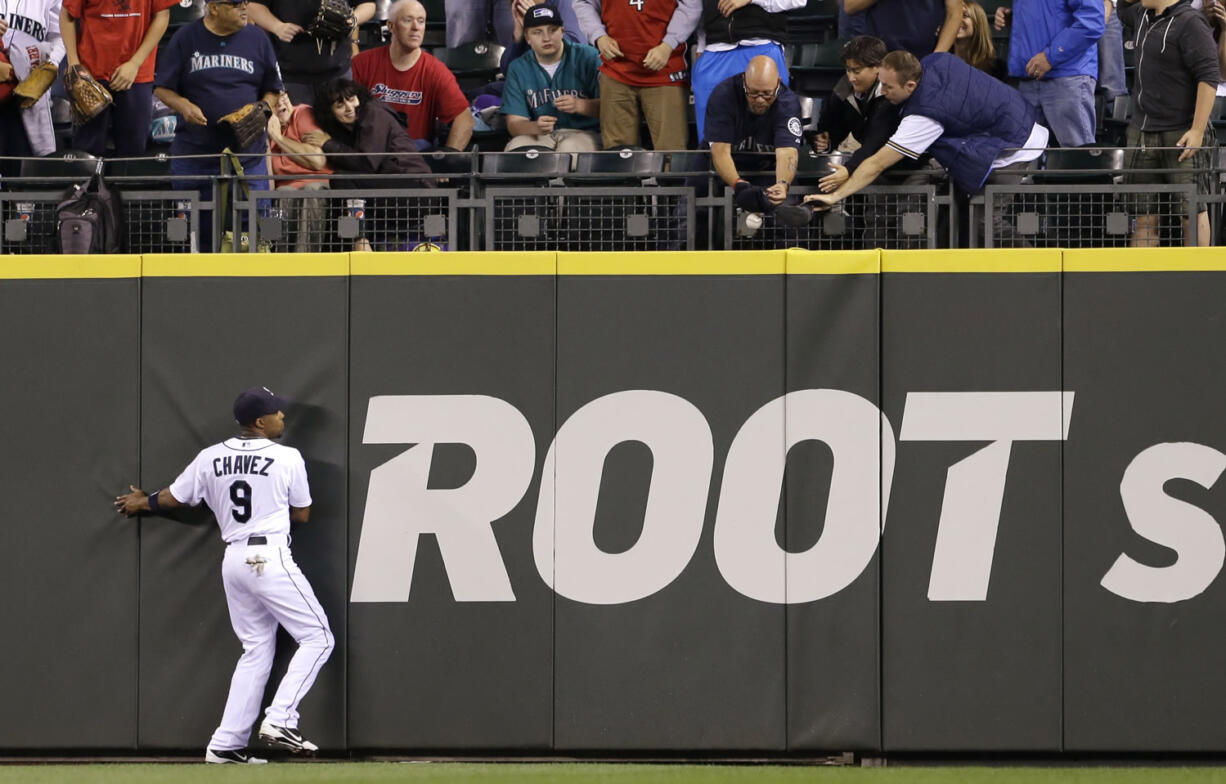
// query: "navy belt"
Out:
[257,540]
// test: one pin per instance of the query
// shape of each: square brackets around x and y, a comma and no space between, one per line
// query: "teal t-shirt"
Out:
[530,90]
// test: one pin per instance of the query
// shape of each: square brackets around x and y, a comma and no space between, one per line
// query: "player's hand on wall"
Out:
[124,76]
[657,57]
[131,502]
[608,47]
[831,182]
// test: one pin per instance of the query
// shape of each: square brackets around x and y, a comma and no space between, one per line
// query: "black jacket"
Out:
[750,21]
[376,131]
[872,121]
[1174,53]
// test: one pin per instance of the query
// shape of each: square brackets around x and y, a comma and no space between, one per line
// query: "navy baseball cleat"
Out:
[232,757]
[286,737]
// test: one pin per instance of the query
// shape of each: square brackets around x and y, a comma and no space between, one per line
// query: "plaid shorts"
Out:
[1143,154]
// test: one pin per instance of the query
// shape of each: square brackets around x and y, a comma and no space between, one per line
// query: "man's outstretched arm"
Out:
[864,175]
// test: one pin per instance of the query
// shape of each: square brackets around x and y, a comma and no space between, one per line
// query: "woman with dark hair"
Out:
[352,122]
[362,136]
[974,41]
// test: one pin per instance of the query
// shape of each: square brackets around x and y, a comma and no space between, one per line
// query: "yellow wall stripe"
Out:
[795,261]
[245,265]
[972,260]
[63,266]
[833,262]
[458,263]
[757,262]
[1145,260]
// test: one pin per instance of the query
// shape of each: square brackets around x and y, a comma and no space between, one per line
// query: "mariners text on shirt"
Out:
[201,62]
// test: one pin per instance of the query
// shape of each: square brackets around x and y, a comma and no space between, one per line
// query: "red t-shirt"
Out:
[301,122]
[424,93]
[638,27]
[110,31]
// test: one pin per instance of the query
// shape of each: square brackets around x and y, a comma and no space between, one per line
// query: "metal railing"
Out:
[540,200]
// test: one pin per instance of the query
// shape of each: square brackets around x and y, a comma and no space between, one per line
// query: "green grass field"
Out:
[581,773]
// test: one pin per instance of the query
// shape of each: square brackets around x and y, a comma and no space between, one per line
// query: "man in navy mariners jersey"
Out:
[552,94]
[755,112]
[211,67]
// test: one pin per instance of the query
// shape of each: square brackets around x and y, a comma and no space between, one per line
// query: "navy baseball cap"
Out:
[541,16]
[253,403]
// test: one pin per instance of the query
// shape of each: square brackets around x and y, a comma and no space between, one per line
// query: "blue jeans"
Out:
[714,67]
[182,168]
[1066,107]
[1111,58]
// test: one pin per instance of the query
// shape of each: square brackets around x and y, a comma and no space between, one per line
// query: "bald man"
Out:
[414,82]
[755,112]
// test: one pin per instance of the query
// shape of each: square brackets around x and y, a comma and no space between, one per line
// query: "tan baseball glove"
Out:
[246,124]
[88,97]
[31,88]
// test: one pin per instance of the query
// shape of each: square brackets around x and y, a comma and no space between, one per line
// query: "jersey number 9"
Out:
[240,496]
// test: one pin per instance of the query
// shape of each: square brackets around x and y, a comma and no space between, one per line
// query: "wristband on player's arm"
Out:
[154,508]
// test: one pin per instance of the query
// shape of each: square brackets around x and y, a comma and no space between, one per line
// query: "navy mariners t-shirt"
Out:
[219,74]
[729,120]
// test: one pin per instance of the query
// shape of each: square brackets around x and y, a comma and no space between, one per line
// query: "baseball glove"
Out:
[333,22]
[31,88]
[88,97]
[247,124]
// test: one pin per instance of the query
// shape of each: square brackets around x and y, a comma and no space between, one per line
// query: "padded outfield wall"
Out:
[767,502]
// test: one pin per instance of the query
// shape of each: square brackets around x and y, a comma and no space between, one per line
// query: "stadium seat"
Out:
[600,168]
[181,14]
[75,164]
[817,21]
[1082,165]
[152,173]
[474,65]
[812,166]
[817,67]
[530,164]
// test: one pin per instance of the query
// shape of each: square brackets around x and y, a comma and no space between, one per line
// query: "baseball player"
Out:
[255,488]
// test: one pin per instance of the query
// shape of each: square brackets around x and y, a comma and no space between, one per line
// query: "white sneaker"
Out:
[286,737]
[232,757]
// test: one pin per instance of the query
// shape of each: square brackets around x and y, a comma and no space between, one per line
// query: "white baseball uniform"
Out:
[250,484]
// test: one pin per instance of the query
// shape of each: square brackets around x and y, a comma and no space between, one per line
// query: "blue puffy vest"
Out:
[982,116]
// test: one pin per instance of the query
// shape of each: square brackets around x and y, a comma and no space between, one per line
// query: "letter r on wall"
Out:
[400,507]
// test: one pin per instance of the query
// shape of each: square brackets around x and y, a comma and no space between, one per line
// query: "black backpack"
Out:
[89,218]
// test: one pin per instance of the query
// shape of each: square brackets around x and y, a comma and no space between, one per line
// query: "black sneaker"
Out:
[287,738]
[232,757]
[793,215]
